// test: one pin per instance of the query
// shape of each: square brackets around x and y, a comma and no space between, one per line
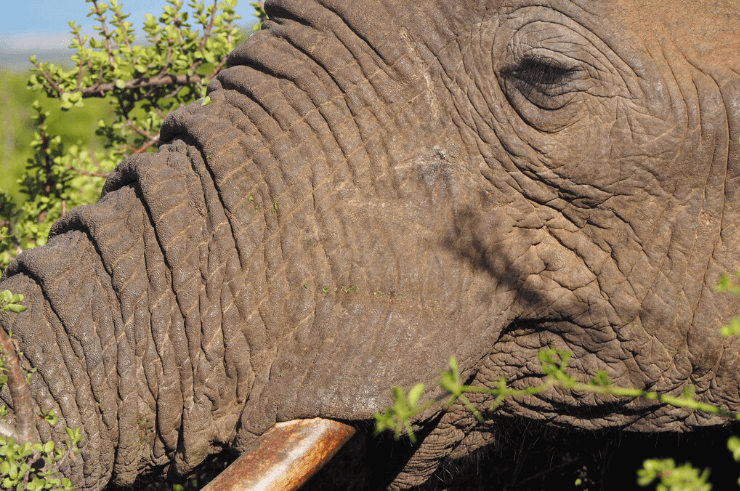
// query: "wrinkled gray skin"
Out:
[518,175]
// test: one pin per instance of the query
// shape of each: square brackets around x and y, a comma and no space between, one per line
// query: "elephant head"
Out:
[378,185]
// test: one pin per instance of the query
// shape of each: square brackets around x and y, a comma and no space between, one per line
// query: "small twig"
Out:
[546,471]
[148,144]
[207,30]
[122,106]
[81,61]
[106,34]
[99,90]
[52,84]
[167,61]
[120,23]
[95,161]
[149,92]
[174,93]
[138,130]
[86,173]
[218,69]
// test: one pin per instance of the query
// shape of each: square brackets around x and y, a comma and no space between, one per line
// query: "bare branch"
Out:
[151,139]
[95,161]
[148,144]
[138,130]
[207,30]
[80,62]
[106,34]
[167,62]
[51,83]
[86,173]
[120,22]
[99,90]
[217,69]
[174,93]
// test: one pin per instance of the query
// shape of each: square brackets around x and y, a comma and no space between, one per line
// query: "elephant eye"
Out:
[542,82]
[539,73]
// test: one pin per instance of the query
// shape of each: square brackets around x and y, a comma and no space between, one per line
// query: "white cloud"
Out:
[27,41]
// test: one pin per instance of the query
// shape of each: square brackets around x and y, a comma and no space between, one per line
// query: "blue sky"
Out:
[37,26]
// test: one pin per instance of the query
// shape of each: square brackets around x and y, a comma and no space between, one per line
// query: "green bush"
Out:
[17,130]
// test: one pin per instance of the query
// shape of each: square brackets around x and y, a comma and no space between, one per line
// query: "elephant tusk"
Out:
[285,456]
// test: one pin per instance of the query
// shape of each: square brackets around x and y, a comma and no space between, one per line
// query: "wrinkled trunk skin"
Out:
[375,188]
[263,266]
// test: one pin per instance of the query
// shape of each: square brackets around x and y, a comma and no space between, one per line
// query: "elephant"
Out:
[379,185]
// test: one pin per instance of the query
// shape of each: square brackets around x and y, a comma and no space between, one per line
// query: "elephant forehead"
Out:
[710,28]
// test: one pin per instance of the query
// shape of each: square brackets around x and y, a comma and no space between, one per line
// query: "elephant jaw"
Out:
[285,457]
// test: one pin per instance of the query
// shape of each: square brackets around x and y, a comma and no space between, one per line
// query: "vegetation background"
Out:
[19,40]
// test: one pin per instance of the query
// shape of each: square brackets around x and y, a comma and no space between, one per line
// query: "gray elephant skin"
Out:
[378,185]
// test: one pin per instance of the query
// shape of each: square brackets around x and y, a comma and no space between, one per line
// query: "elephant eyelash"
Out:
[536,72]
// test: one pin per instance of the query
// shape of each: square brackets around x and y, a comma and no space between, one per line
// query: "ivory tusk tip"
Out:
[285,457]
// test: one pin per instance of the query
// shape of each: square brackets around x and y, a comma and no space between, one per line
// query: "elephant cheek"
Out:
[397,305]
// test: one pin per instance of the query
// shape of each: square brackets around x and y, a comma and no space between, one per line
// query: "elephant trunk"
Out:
[153,314]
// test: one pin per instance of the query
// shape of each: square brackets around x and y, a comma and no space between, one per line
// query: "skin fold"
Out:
[379,185]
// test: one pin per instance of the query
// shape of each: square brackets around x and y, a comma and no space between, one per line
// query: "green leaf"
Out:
[732,329]
[601,379]
[51,417]
[733,444]
[206,101]
[415,394]
[49,447]
[683,478]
